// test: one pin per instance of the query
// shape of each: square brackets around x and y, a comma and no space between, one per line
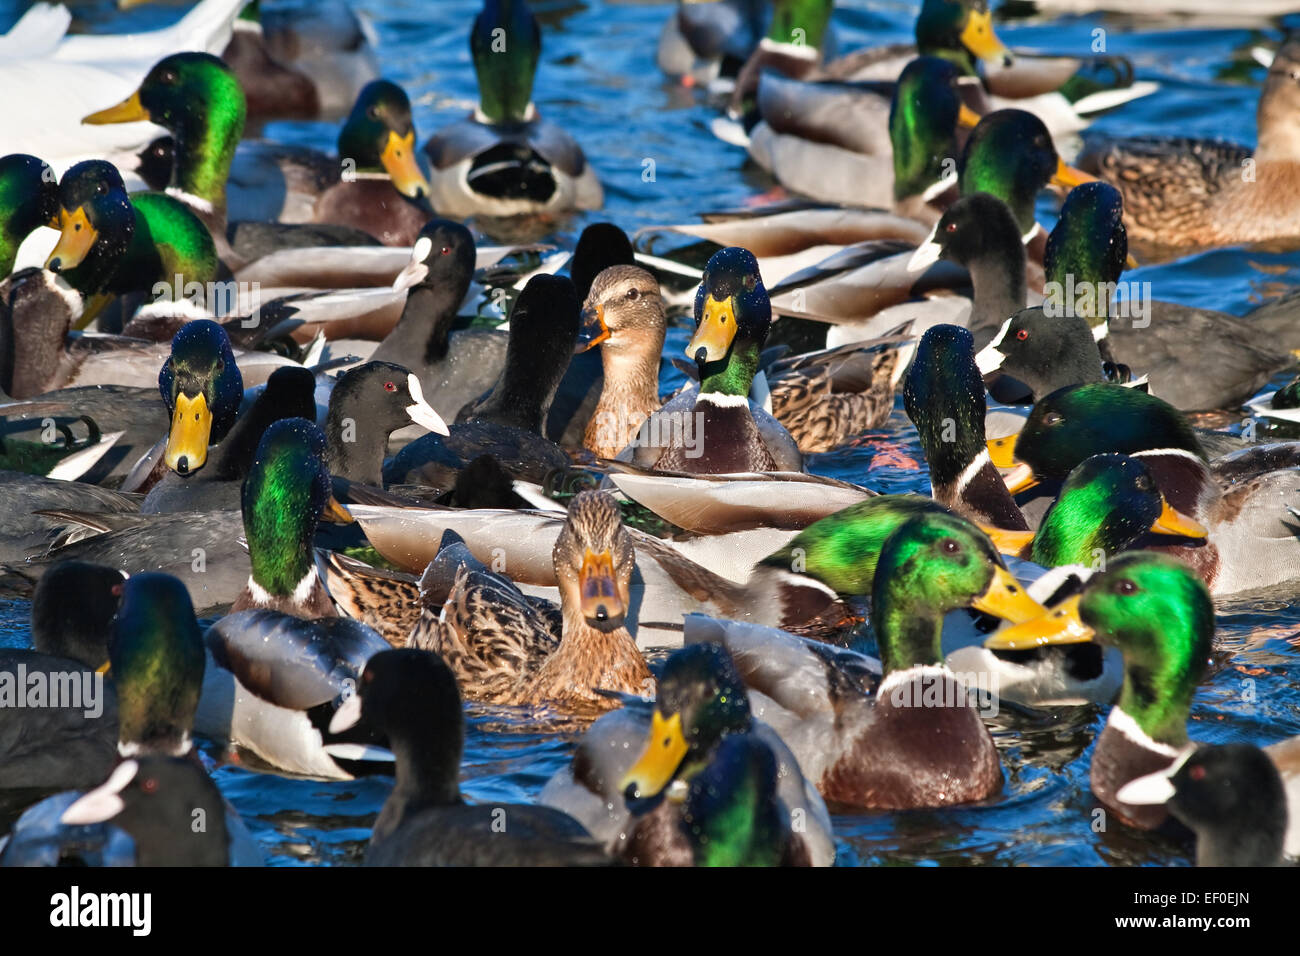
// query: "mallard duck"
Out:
[508,421]
[1063,91]
[409,698]
[701,41]
[303,62]
[199,100]
[1232,797]
[110,244]
[805,141]
[1228,359]
[29,199]
[1181,192]
[84,68]
[505,160]
[1241,499]
[502,657]
[857,741]
[288,393]
[715,430]
[653,785]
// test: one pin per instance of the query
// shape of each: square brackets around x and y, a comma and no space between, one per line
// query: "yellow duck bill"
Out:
[399,161]
[187,440]
[712,340]
[1060,625]
[663,754]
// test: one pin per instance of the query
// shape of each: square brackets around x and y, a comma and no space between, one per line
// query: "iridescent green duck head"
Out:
[1108,502]
[156,659]
[1159,615]
[800,23]
[96,224]
[1010,154]
[505,43]
[960,31]
[732,319]
[701,699]
[933,564]
[1079,421]
[943,395]
[29,197]
[379,136]
[284,497]
[1087,248]
[202,388]
[198,99]
[923,119]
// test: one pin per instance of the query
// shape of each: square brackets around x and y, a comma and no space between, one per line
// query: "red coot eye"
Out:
[390,386]
[446,251]
[1022,334]
[1197,773]
[149,785]
[951,227]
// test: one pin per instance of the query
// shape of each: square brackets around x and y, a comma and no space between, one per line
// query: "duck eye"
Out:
[373,112]
[167,76]
[1143,483]
[445,251]
[1053,418]
[390,386]
[632,294]
[1022,334]
[949,546]
[951,227]
[149,785]
[1125,587]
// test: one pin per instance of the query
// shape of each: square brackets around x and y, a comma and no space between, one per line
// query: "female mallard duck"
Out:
[653,786]
[1231,796]
[1160,616]
[111,244]
[857,740]
[1242,499]
[505,160]
[503,659]
[1194,358]
[1180,192]
[199,100]
[715,430]
[409,699]
[29,199]
[508,421]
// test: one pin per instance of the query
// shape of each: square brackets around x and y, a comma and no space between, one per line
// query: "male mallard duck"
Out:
[1227,358]
[1181,192]
[652,786]
[502,659]
[302,62]
[505,160]
[806,143]
[199,100]
[409,698]
[1240,499]
[508,421]
[857,741]
[702,40]
[714,430]
[84,68]
[29,198]
[110,244]
[1061,90]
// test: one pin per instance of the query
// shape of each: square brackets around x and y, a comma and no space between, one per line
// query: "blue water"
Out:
[598,79]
